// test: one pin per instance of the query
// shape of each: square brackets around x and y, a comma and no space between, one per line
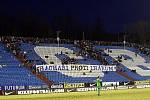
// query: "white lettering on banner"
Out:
[70,90]
[58,90]
[57,86]
[14,87]
[131,86]
[41,91]
[40,68]
[122,87]
[143,86]
[34,87]
[110,83]
[108,88]
[86,89]
[32,92]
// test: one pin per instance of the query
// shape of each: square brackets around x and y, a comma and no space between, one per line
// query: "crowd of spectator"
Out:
[87,48]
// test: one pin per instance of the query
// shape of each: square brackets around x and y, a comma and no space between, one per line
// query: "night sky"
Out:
[114,14]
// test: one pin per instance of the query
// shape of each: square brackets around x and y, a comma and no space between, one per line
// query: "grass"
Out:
[130,94]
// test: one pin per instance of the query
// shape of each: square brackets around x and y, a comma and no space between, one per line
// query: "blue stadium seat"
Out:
[13,73]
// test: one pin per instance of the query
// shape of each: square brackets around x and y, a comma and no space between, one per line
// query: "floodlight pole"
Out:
[83,36]
[58,39]
[118,38]
[124,41]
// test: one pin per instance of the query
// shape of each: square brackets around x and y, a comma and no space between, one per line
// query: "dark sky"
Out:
[113,13]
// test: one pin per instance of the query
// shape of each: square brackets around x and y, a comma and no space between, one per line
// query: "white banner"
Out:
[52,67]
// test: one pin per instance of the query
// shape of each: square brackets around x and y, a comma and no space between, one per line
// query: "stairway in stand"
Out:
[125,75]
[39,75]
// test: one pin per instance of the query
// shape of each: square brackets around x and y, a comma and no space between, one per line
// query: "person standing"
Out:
[98,84]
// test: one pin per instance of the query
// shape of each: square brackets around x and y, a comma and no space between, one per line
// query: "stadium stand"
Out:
[129,61]
[132,63]
[52,53]
[13,73]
